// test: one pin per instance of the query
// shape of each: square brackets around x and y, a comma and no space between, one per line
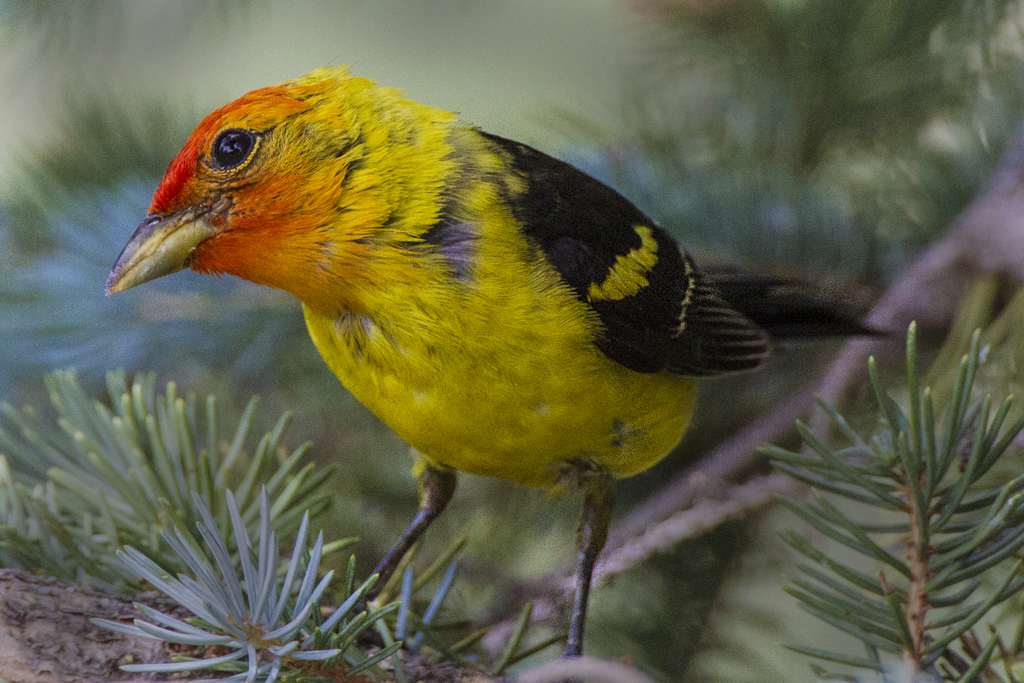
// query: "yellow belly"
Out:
[524,404]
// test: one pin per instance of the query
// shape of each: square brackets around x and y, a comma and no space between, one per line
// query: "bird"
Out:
[505,313]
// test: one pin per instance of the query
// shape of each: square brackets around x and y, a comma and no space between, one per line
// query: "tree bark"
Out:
[46,635]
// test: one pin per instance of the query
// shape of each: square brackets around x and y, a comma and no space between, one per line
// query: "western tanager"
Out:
[505,313]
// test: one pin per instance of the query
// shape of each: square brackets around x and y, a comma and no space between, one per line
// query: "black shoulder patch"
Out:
[658,314]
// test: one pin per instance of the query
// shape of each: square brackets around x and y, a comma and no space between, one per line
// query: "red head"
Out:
[286,187]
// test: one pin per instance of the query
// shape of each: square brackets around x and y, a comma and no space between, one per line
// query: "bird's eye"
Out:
[232,147]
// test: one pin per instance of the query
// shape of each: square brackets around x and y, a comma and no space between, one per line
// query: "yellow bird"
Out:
[505,313]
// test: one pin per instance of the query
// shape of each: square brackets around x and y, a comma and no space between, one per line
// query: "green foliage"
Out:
[75,488]
[840,136]
[271,613]
[110,494]
[958,536]
[526,640]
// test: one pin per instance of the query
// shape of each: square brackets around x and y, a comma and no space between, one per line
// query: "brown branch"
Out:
[705,515]
[917,590]
[46,635]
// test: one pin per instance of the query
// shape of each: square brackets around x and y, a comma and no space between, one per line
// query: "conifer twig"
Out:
[917,589]
[923,480]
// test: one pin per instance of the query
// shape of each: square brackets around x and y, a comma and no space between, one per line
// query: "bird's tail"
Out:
[789,308]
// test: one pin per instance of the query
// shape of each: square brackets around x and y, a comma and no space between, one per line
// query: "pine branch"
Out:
[704,515]
[76,487]
[265,616]
[140,492]
[927,476]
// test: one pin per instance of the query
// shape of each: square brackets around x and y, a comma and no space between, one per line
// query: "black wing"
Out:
[658,313]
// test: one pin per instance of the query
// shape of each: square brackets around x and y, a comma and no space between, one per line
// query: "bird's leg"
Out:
[436,488]
[598,501]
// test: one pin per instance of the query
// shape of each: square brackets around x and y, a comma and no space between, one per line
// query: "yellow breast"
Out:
[504,380]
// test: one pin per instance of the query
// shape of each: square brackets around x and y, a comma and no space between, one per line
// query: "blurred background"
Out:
[836,139]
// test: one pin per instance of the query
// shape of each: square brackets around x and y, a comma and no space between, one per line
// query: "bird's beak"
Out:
[162,245]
